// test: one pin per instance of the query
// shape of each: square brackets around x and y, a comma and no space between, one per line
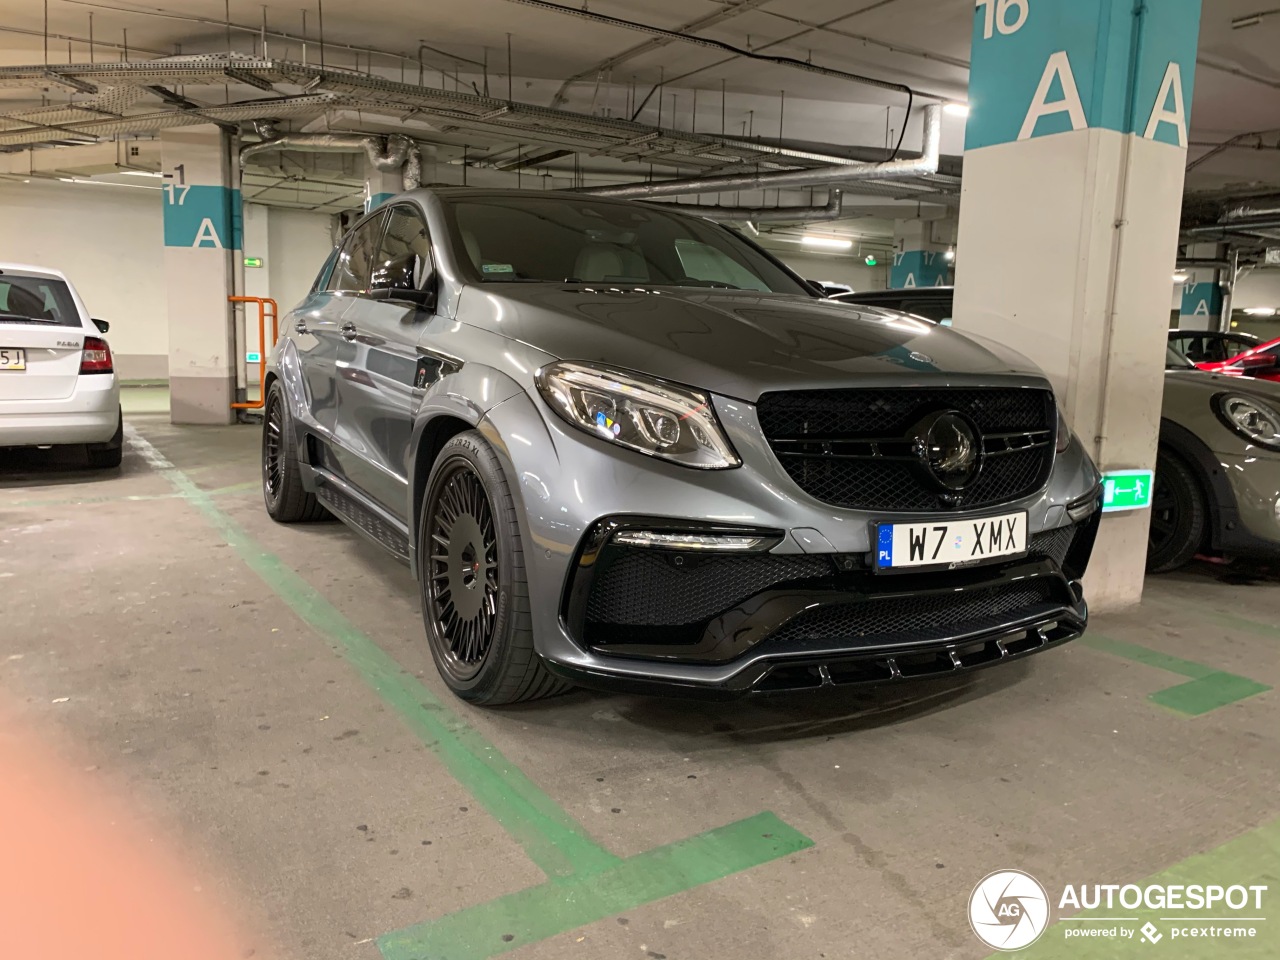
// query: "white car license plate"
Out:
[949,543]
[11,358]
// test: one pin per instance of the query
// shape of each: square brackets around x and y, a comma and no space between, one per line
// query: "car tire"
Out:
[471,579]
[107,456]
[1178,515]
[287,500]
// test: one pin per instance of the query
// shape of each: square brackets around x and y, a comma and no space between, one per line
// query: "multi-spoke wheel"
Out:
[1177,515]
[282,490]
[475,601]
[463,581]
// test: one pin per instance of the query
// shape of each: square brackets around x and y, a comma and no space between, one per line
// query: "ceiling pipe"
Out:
[1262,208]
[830,211]
[891,170]
[387,154]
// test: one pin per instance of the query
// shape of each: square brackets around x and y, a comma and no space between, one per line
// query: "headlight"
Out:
[1251,417]
[651,416]
[1064,431]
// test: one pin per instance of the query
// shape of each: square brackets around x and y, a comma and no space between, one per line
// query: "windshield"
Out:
[26,299]
[559,240]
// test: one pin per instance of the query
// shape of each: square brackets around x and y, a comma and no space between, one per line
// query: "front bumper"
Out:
[1249,520]
[766,622]
[568,483]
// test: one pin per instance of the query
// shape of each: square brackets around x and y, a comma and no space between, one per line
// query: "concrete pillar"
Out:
[924,251]
[1201,306]
[380,185]
[256,284]
[1074,156]
[202,241]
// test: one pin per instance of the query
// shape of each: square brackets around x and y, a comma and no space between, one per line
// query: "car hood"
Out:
[740,344]
[1191,385]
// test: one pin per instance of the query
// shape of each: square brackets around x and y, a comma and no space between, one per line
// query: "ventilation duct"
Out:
[927,163]
[387,154]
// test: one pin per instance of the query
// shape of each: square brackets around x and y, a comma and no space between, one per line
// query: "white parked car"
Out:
[57,382]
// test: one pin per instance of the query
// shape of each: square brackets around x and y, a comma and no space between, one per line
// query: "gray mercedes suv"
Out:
[626,448]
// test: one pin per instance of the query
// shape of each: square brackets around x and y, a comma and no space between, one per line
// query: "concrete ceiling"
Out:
[923,43]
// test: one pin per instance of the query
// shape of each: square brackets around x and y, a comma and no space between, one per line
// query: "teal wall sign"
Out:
[919,268]
[1126,490]
[1042,67]
[1201,300]
[204,217]
[377,200]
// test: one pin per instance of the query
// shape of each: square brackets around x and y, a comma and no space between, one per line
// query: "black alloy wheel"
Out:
[273,447]
[286,497]
[1178,515]
[462,583]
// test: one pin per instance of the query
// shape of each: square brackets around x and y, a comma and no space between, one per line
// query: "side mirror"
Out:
[102,326]
[423,297]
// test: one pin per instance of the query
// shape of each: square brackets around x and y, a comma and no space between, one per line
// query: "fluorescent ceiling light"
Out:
[1261,311]
[830,243]
[949,256]
[956,109]
[1181,277]
[140,173]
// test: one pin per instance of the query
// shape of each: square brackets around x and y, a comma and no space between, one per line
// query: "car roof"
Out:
[1187,332]
[31,270]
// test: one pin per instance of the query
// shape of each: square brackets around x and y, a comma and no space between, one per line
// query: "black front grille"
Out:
[851,448]
[660,588]
[917,618]
[1055,544]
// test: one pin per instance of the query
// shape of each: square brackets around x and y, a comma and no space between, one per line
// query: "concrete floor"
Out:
[170,640]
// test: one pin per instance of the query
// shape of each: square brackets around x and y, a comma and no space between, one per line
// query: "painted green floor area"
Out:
[264,692]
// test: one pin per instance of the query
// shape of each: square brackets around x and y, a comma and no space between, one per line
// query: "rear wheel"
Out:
[287,500]
[475,599]
[1178,515]
[107,456]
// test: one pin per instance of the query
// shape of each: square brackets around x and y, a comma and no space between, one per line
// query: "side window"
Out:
[326,272]
[701,261]
[355,256]
[404,258]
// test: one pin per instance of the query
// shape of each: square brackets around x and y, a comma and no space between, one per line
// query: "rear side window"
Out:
[355,257]
[37,298]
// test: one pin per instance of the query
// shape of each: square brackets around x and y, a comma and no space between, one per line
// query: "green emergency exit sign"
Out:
[253,261]
[253,357]
[1126,490]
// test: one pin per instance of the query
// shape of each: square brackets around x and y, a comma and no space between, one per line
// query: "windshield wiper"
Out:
[19,318]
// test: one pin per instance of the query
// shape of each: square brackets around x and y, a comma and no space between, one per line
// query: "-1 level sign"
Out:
[1126,489]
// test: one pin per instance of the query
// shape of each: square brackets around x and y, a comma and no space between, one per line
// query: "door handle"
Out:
[300,326]
[348,331]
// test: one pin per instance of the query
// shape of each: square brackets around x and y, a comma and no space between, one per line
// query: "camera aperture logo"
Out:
[1008,910]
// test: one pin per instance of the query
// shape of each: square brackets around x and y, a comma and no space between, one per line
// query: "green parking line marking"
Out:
[1208,689]
[478,933]
[586,882]
[76,501]
[1252,858]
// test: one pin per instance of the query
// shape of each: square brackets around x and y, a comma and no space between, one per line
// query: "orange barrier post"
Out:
[263,304]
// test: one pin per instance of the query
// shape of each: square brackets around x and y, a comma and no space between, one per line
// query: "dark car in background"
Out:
[1210,346]
[1217,484]
[624,447]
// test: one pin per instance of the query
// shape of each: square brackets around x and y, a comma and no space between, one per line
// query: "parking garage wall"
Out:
[109,242]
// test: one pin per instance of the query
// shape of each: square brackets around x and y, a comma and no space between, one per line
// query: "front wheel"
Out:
[471,576]
[1178,515]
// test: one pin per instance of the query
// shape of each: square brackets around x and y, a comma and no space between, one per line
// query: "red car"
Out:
[1259,362]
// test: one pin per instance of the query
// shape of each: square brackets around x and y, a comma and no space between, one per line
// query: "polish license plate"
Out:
[946,544]
[12,358]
